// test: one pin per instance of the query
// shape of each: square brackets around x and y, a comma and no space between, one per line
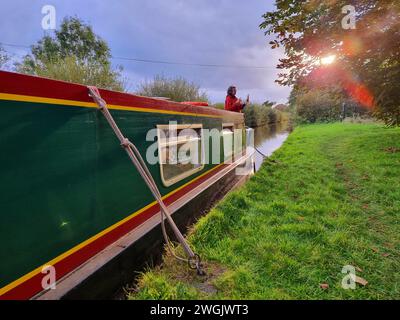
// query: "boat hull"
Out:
[69,191]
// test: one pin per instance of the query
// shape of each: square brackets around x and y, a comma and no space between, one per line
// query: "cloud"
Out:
[196,31]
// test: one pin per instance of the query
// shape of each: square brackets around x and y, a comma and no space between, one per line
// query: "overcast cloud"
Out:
[191,31]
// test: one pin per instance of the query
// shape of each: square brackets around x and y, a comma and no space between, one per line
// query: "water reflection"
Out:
[269,138]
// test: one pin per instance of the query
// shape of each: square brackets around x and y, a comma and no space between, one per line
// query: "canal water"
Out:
[268,138]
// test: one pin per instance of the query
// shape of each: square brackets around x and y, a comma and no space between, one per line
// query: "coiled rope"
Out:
[193,260]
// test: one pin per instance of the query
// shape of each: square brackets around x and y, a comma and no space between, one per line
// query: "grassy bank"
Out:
[329,197]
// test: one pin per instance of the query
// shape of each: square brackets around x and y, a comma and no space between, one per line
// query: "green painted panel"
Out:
[65,178]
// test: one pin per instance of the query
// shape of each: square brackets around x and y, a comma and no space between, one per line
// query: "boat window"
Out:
[227,134]
[180,149]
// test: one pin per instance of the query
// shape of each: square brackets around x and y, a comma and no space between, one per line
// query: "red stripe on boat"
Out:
[20,84]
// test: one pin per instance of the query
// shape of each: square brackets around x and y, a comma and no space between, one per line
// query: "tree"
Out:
[368,56]
[4,58]
[75,53]
[176,89]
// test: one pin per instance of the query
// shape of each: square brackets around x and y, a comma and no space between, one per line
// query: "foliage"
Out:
[368,55]
[322,106]
[75,53]
[258,115]
[177,89]
[72,70]
[322,101]
[4,58]
[329,197]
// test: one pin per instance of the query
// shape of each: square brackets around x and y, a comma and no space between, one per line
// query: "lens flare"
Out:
[334,75]
[328,60]
[360,93]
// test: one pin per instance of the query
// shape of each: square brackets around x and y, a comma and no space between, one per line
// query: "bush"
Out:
[258,115]
[318,106]
[177,89]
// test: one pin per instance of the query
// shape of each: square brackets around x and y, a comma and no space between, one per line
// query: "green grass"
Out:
[329,197]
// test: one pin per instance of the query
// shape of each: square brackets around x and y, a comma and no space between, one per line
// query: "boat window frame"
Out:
[225,127]
[184,175]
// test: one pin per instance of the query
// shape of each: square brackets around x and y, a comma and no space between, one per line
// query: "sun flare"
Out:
[328,59]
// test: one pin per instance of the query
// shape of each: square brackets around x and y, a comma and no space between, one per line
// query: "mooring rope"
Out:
[193,260]
[262,154]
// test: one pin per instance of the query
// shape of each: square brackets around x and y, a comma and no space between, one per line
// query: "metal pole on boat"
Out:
[194,260]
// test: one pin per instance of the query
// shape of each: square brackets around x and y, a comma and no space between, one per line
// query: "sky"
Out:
[223,32]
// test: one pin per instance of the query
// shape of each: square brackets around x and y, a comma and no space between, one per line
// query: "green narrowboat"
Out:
[70,194]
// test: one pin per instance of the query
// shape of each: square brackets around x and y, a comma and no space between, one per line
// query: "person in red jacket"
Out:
[232,103]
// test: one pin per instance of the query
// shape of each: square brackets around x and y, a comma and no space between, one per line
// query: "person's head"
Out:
[231,91]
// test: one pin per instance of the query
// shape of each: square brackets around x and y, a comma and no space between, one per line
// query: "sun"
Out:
[328,59]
